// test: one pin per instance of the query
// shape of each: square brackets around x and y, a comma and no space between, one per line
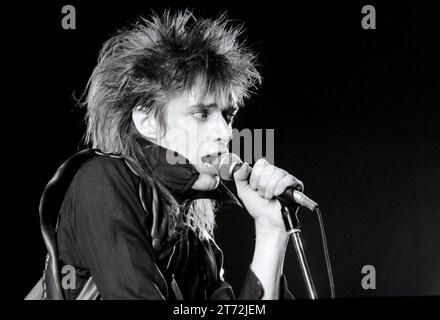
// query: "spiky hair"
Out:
[150,62]
[156,58]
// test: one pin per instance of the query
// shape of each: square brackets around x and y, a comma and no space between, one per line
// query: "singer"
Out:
[134,222]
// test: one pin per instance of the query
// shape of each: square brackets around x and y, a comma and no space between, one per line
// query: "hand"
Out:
[258,191]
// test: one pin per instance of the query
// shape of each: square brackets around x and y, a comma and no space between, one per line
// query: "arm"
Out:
[267,262]
[257,190]
[252,287]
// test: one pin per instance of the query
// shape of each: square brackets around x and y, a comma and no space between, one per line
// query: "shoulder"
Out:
[103,190]
[104,175]
[106,167]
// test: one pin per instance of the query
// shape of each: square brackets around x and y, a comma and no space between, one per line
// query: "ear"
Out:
[145,123]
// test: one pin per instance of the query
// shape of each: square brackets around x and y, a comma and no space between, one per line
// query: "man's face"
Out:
[199,129]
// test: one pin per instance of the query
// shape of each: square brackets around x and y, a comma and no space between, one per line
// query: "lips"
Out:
[209,160]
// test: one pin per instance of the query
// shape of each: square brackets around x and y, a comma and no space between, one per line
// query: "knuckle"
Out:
[278,190]
[266,173]
[261,162]
[270,169]
[255,177]
[280,173]
[273,183]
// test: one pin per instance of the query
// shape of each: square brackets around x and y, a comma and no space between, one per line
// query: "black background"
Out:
[355,114]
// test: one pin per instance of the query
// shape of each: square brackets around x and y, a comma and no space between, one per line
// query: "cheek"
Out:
[192,141]
[188,137]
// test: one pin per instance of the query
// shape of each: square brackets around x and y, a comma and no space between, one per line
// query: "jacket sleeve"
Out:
[251,289]
[111,234]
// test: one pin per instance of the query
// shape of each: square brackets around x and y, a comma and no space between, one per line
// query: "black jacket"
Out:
[112,227]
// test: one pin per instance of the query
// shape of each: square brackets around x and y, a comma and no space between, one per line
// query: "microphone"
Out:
[228,163]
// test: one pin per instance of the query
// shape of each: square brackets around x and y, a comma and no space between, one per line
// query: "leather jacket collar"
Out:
[180,176]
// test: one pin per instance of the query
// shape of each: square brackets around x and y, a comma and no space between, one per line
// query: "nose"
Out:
[221,130]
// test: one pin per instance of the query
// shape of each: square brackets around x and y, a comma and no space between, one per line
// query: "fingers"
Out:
[241,176]
[270,181]
[288,181]
[270,187]
[257,172]
[265,177]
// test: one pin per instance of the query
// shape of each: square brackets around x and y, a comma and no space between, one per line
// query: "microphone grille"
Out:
[225,163]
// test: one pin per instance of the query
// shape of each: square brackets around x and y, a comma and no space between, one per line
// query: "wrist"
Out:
[271,238]
[267,263]
[268,232]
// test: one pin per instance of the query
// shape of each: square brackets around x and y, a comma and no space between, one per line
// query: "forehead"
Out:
[196,97]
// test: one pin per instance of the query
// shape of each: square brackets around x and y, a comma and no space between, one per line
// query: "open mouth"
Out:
[209,161]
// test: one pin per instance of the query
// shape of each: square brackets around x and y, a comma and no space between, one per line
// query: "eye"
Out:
[201,115]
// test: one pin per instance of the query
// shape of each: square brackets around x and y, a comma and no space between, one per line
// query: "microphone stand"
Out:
[294,232]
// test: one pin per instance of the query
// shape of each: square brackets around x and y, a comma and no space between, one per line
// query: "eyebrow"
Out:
[208,106]
[229,108]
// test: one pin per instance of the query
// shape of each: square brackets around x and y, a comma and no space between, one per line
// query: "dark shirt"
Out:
[104,231]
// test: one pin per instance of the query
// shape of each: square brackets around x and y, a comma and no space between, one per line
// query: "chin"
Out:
[206,182]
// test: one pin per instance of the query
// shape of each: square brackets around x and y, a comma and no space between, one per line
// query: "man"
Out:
[138,218]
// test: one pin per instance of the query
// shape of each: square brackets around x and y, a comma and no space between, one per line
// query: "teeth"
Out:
[210,161]
[208,164]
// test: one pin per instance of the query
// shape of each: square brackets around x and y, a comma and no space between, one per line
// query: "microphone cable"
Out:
[326,254]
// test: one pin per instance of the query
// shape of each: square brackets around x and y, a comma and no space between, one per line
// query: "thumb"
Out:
[241,176]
